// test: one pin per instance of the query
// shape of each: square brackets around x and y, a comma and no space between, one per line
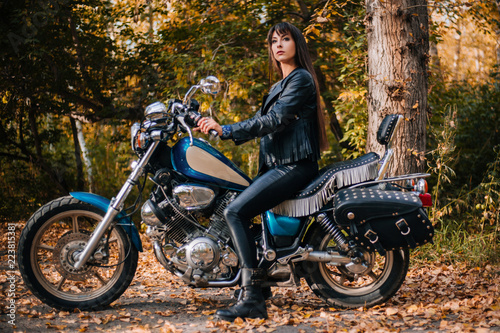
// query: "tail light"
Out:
[422,188]
[426,199]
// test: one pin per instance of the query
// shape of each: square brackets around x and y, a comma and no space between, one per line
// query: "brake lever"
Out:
[182,121]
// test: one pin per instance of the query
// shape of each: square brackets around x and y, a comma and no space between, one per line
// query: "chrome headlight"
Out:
[155,111]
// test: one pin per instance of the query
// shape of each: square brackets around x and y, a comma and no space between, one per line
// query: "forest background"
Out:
[75,75]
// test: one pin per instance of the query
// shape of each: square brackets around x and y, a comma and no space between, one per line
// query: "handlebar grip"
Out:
[213,133]
[192,118]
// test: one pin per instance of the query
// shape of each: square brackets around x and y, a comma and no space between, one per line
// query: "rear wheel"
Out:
[48,246]
[372,280]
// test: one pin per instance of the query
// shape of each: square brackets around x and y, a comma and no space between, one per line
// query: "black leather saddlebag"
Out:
[383,220]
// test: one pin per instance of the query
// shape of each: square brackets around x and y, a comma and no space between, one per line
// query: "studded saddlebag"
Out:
[383,220]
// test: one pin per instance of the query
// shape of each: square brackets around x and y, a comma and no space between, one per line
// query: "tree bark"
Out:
[497,31]
[78,158]
[398,55]
[85,154]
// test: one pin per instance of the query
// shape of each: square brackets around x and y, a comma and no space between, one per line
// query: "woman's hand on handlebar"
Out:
[206,124]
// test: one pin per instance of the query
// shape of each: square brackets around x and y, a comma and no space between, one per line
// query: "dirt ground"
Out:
[434,298]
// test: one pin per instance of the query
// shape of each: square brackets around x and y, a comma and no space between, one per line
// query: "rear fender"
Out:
[103,203]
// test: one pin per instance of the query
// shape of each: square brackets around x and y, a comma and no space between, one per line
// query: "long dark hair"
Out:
[302,59]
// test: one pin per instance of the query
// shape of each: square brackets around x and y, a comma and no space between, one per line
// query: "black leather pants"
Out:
[273,187]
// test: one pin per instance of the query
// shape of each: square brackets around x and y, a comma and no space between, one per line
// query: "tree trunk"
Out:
[457,69]
[435,61]
[78,158]
[498,36]
[398,54]
[85,154]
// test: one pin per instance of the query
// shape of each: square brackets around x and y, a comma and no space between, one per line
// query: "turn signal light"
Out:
[420,186]
[141,140]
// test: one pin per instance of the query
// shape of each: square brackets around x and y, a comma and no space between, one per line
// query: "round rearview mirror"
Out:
[210,85]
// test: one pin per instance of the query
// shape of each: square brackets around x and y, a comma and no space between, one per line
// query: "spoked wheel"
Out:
[48,248]
[369,280]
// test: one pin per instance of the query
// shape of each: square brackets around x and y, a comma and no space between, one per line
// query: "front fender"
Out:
[103,203]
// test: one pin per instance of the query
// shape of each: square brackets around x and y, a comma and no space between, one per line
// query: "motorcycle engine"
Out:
[197,252]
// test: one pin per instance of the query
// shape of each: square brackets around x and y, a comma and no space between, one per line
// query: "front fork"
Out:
[114,208]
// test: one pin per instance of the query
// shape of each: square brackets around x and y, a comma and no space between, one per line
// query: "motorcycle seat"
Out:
[331,178]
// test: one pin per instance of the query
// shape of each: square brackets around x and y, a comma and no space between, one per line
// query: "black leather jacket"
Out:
[287,122]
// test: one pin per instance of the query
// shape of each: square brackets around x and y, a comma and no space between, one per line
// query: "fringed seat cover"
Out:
[331,178]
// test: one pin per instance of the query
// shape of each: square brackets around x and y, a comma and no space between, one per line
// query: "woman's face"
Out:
[283,48]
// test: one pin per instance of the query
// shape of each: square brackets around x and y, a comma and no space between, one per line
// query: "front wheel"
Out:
[48,246]
[372,280]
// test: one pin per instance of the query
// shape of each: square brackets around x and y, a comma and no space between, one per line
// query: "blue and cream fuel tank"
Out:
[202,162]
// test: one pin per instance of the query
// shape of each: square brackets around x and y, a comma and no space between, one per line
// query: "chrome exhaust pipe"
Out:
[332,258]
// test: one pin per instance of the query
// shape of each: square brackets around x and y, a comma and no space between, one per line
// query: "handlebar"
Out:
[184,112]
[188,119]
[192,118]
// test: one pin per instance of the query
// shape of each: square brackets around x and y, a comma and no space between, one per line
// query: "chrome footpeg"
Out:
[300,254]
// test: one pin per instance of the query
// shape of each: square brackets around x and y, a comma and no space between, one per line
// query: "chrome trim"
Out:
[228,283]
[115,208]
[203,253]
[270,254]
[155,110]
[333,258]
[386,162]
[133,133]
[388,156]
[192,197]
[393,179]
[148,215]
[420,186]
[181,121]
[160,256]
[301,254]
[210,85]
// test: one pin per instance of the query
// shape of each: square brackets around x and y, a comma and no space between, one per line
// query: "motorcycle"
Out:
[348,233]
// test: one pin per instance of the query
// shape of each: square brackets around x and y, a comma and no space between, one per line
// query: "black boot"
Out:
[251,303]
[266,293]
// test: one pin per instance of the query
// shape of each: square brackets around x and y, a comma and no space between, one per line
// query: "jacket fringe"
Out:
[298,207]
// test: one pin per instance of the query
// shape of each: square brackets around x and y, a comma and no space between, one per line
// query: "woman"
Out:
[290,124]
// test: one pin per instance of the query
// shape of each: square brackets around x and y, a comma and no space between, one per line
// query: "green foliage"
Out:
[453,243]
[344,64]
[465,164]
[110,153]
[95,60]
[26,187]
[442,157]
[477,121]
[463,141]
[58,60]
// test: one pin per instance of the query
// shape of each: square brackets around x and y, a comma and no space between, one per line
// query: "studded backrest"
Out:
[386,129]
